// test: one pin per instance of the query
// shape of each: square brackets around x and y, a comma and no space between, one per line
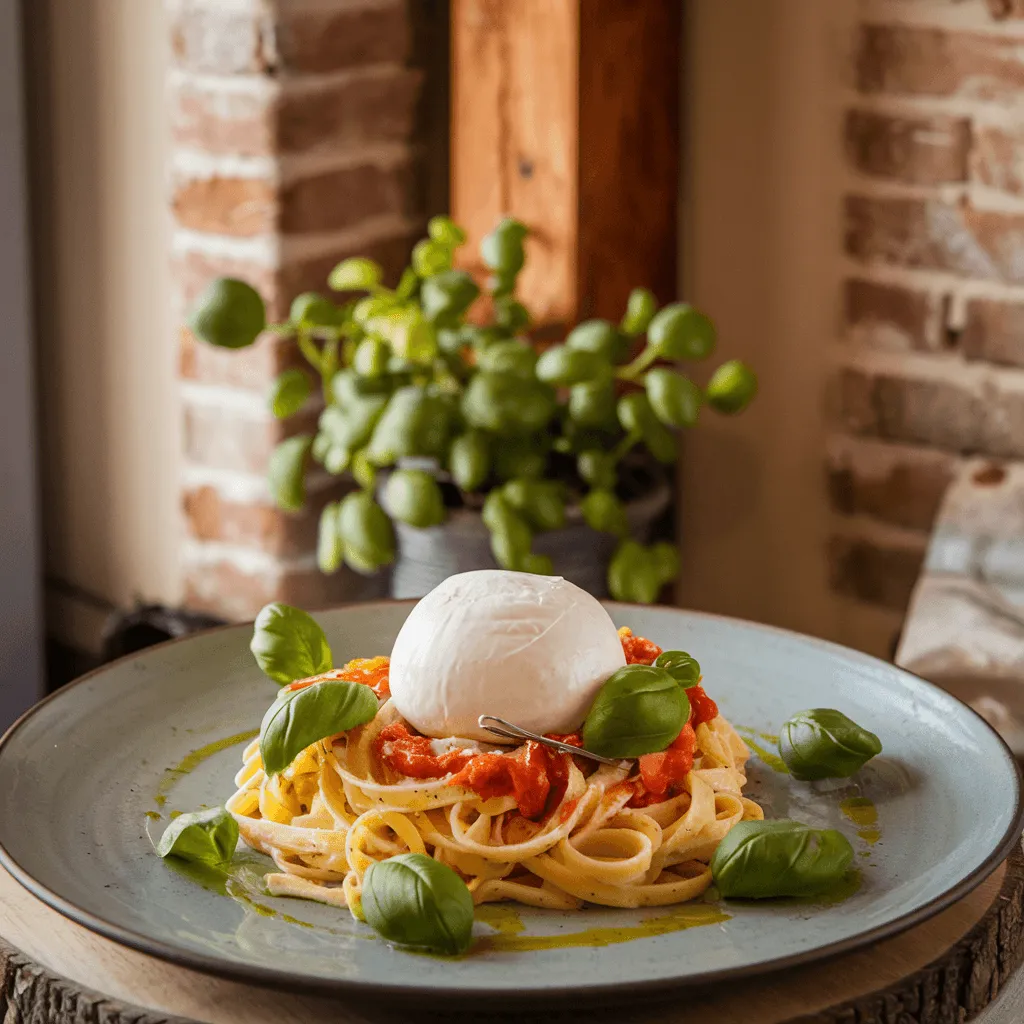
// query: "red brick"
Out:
[212,517]
[209,36]
[994,331]
[936,235]
[920,150]
[253,367]
[222,120]
[944,412]
[1001,9]
[193,271]
[224,589]
[227,206]
[225,439]
[327,40]
[933,61]
[893,483]
[343,198]
[997,158]
[378,106]
[1003,427]
[874,571]
[893,317]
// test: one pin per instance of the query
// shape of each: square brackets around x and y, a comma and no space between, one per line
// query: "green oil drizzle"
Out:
[687,916]
[773,761]
[863,813]
[504,918]
[172,776]
[153,815]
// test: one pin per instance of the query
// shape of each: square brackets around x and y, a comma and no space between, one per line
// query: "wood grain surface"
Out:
[945,970]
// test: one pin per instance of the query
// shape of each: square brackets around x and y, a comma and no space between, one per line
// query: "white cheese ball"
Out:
[533,650]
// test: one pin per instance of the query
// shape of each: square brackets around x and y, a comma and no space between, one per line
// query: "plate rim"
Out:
[221,967]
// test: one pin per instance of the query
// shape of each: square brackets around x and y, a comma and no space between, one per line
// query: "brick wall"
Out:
[294,144]
[931,368]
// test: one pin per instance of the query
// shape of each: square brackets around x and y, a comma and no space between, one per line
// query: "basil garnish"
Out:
[414,900]
[203,837]
[299,718]
[683,668]
[824,744]
[288,644]
[759,859]
[639,710]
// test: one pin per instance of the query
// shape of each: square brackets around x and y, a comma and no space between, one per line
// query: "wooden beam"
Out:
[565,114]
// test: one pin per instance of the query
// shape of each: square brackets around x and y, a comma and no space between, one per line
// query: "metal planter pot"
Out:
[462,542]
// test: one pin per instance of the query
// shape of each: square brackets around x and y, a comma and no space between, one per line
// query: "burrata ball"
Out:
[533,650]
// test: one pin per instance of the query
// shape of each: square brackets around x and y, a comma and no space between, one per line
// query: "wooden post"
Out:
[565,114]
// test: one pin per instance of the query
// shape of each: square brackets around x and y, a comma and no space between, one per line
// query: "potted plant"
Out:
[463,436]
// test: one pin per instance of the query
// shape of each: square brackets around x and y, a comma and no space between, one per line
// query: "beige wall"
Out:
[109,421]
[761,255]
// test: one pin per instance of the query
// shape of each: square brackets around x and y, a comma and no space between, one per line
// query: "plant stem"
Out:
[624,445]
[633,370]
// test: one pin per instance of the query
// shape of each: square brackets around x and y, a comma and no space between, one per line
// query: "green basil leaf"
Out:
[300,718]
[414,497]
[229,314]
[289,393]
[760,859]
[286,472]
[505,404]
[414,900]
[639,710]
[366,532]
[603,511]
[540,502]
[288,644]
[601,337]
[414,422]
[515,357]
[824,744]
[683,668]
[732,387]
[330,552]
[203,837]
[469,460]
[640,310]
[355,273]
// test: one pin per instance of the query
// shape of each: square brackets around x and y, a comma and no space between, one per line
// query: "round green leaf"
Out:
[312,310]
[330,551]
[469,460]
[202,837]
[355,274]
[446,296]
[675,399]
[681,332]
[637,417]
[683,668]
[592,403]
[732,387]
[366,532]
[632,574]
[431,257]
[504,404]
[416,901]
[502,249]
[289,393]
[445,230]
[414,422]
[540,502]
[288,644]
[515,357]
[665,557]
[413,496]
[371,357]
[563,366]
[539,565]
[519,457]
[640,310]
[602,511]
[229,314]
[597,468]
[286,472]
[601,338]
[639,710]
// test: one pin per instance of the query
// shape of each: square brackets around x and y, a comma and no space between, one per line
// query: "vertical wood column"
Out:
[565,114]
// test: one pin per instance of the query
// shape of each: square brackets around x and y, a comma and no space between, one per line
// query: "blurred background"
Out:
[838,185]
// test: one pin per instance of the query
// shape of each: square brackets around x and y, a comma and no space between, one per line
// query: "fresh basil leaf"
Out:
[761,859]
[288,644]
[289,393]
[824,744]
[286,472]
[639,710]
[414,900]
[683,668]
[203,837]
[298,719]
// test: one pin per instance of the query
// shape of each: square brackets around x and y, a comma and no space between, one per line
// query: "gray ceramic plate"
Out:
[84,775]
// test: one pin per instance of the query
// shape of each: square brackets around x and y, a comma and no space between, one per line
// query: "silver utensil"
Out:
[500,727]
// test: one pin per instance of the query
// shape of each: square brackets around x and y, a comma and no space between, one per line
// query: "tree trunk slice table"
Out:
[943,971]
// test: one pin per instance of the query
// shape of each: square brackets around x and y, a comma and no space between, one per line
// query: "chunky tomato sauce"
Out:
[372,672]
[534,774]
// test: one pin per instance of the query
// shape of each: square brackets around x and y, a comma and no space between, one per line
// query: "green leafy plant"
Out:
[824,744]
[455,408]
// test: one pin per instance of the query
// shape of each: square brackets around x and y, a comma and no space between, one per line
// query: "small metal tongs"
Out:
[500,727]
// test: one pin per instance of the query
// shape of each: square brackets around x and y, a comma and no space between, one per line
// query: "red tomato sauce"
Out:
[412,756]
[638,651]
[372,672]
[665,772]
